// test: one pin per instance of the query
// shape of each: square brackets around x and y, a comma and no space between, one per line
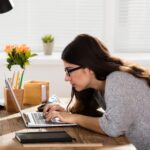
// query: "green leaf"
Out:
[28,54]
[32,55]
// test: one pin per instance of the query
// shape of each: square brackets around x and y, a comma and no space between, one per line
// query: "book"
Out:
[41,137]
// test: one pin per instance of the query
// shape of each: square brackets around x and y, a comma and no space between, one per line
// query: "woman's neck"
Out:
[99,85]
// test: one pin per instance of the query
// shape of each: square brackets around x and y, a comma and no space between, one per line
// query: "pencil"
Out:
[17,79]
[13,77]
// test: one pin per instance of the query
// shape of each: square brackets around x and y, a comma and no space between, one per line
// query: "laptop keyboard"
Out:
[38,118]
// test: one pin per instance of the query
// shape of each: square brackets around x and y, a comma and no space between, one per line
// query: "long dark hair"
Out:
[89,52]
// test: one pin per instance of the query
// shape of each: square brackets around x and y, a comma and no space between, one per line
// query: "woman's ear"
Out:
[89,71]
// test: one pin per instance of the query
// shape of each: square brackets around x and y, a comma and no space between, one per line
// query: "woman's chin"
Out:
[78,89]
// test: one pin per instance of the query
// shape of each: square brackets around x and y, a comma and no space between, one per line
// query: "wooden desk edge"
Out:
[65,145]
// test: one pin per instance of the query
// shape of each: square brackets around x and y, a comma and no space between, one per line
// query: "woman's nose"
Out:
[67,78]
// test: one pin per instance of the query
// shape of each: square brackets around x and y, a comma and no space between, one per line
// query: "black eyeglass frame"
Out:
[69,70]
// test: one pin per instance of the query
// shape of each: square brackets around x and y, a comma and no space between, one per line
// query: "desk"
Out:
[85,139]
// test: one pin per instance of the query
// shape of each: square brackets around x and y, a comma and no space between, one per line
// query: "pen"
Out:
[20,84]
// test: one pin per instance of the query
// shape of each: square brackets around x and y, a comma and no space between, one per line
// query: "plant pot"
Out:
[48,48]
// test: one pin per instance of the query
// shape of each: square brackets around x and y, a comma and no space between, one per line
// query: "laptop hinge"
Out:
[27,120]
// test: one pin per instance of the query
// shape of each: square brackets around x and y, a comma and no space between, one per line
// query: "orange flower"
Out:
[9,48]
[18,55]
[23,48]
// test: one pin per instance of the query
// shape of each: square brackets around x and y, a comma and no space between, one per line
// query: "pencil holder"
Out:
[10,104]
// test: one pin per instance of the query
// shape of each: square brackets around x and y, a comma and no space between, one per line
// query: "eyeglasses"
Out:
[69,70]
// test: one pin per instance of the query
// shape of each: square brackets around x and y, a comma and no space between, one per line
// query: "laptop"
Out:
[35,119]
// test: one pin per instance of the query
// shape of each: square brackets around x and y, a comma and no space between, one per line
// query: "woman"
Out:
[100,80]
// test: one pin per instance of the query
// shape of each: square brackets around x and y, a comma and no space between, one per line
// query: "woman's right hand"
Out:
[52,107]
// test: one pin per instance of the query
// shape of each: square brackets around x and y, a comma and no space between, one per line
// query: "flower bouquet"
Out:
[18,55]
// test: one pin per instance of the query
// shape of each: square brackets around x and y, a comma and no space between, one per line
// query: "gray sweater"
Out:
[127,111]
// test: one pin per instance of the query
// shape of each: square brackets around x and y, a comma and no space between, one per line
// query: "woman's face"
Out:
[80,78]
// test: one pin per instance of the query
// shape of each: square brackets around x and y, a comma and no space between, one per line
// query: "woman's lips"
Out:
[73,85]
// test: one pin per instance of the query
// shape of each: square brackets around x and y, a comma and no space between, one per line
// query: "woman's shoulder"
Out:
[120,75]
[124,78]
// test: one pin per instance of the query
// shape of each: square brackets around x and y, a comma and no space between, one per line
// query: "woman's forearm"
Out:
[91,123]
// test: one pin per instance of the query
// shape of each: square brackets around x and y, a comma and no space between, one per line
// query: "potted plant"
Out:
[48,44]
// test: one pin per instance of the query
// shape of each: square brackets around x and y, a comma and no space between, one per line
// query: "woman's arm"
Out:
[91,123]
